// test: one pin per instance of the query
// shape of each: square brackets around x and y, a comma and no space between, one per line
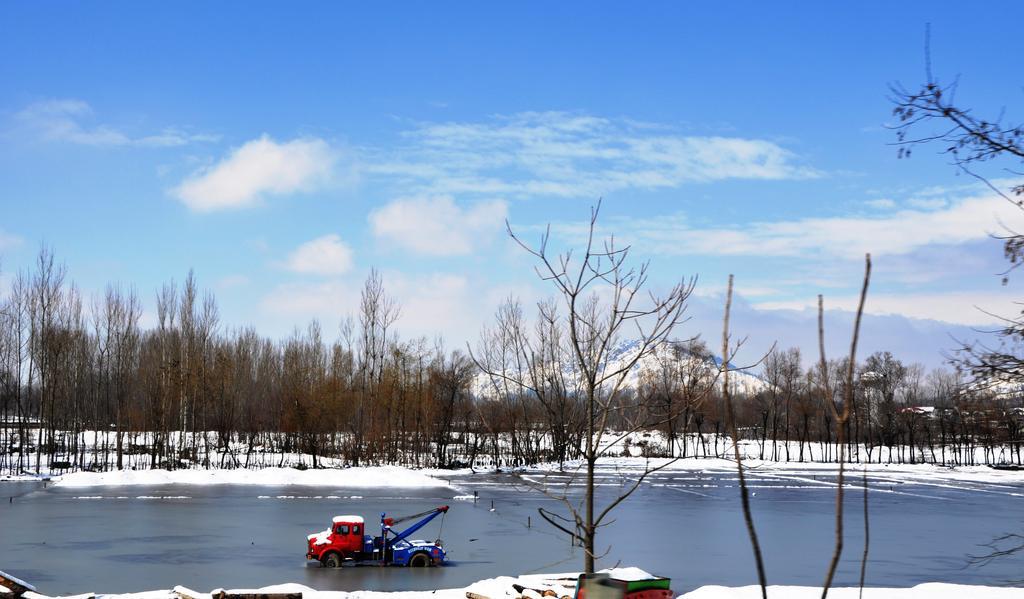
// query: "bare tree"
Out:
[121,323]
[377,313]
[783,373]
[602,296]
[47,294]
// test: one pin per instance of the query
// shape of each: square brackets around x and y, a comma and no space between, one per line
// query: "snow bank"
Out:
[24,478]
[630,573]
[931,590]
[371,476]
[922,473]
[401,477]
[501,588]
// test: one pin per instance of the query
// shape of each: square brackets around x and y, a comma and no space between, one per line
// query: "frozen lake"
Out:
[685,524]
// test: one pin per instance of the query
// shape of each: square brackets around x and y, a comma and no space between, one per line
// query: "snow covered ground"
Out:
[357,477]
[401,477]
[799,472]
[635,444]
[562,584]
[932,590]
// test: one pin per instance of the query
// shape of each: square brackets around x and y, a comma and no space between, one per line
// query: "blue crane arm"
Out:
[405,533]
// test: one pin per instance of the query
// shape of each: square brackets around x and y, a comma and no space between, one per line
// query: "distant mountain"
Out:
[671,357]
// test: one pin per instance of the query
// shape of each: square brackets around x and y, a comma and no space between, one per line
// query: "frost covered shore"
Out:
[502,588]
[356,477]
[95,455]
[931,590]
[402,477]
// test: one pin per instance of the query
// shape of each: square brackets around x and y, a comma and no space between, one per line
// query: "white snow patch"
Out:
[931,590]
[562,584]
[628,574]
[19,478]
[320,538]
[925,474]
[370,476]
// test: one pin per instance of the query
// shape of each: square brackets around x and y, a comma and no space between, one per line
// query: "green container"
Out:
[658,582]
[602,586]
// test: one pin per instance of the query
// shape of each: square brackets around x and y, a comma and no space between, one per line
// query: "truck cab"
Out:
[347,533]
[344,540]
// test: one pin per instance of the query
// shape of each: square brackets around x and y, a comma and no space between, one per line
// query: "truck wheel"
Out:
[332,560]
[420,560]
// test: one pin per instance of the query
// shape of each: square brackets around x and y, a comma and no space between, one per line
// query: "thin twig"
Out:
[731,423]
[841,418]
[867,536]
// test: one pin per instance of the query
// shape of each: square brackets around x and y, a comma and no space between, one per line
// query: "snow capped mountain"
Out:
[676,360]
[670,362]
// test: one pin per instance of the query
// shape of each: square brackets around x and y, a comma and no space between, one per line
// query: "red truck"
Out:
[346,541]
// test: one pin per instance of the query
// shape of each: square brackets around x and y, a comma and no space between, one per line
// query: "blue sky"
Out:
[283,151]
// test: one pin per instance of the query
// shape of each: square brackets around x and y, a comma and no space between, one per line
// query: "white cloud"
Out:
[974,308]
[911,339]
[327,255]
[328,301]
[437,226]
[258,168]
[718,291]
[928,203]
[568,155]
[66,121]
[8,240]
[894,233]
[431,305]
[231,282]
[881,204]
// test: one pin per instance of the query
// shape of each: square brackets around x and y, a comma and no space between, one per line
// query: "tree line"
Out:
[898,413]
[84,386]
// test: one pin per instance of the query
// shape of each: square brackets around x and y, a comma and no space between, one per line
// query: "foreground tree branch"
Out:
[841,416]
[731,424]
